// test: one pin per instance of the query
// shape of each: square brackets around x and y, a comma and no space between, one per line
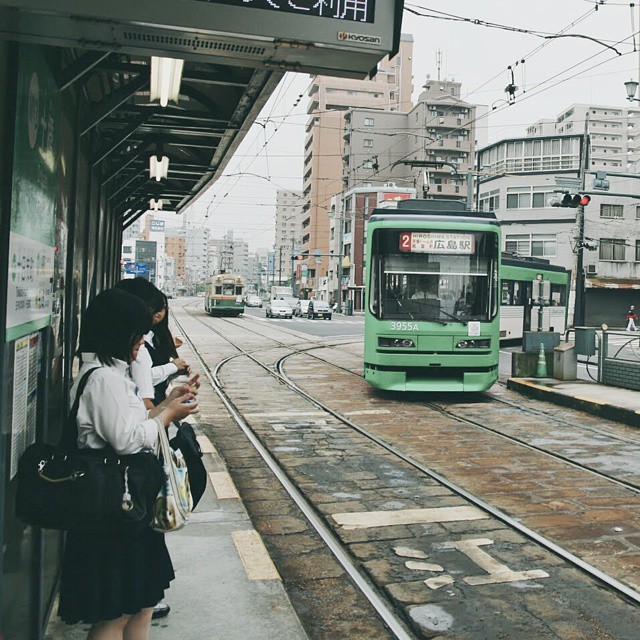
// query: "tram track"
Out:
[277,371]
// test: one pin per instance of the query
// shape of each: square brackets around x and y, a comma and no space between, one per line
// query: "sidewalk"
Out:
[226,585]
[599,399]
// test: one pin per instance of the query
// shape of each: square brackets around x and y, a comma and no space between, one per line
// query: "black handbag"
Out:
[186,441]
[88,490]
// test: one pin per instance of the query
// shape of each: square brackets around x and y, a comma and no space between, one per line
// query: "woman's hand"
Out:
[194,382]
[179,408]
[181,364]
[179,391]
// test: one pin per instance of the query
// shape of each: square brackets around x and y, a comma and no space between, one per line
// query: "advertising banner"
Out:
[32,238]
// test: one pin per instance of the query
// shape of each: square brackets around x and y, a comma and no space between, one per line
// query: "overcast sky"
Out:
[477,56]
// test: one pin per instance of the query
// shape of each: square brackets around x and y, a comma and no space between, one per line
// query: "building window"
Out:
[126,249]
[538,245]
[637,212]
[637,250]
[612,250]
[612,211]
[368,164]
[369,122]
[368,143]
[518,200]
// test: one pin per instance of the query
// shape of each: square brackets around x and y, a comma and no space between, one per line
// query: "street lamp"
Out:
[631,86]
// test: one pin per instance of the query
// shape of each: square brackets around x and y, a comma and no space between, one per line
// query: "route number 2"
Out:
[404,326]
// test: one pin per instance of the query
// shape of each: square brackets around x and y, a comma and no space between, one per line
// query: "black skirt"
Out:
[106,577]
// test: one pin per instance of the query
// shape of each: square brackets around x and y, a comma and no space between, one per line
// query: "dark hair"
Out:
[112,324]
[162,337]
[147,292]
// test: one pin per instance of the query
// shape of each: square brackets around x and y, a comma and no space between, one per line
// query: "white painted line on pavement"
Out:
[368,519]
[206,446]
[367,412]
[255,558]
[223,485]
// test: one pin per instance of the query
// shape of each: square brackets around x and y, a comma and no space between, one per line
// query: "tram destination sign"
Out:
[346,10]
[427,242]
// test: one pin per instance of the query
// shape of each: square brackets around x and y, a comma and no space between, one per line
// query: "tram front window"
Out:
[434,287]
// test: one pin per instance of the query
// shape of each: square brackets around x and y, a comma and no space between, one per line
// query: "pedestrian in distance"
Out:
[632,316]
[112,581]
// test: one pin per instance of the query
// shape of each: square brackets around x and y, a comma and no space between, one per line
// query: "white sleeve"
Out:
[162,372]
[106,405]
[141,373]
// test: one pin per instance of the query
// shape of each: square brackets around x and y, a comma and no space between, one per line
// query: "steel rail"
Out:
[587,568]
[594,572]
[392,620]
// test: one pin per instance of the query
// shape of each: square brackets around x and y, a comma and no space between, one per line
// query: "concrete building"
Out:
[230,255]
[440,128]
[614,134]
[175,249]
[288,238]
[329,99]
[518,177]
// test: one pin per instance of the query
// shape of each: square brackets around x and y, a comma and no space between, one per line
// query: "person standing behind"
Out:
[112,581]
[632,316]
[146,373]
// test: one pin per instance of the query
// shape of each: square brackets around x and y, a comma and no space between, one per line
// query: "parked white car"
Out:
[253,301]
[301,308]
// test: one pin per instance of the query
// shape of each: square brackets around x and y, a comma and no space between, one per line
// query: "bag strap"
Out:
[69,438]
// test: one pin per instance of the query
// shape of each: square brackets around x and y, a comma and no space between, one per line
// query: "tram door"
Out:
[526,294]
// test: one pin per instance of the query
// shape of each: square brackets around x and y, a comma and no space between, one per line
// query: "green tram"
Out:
[432,310]
[224,295]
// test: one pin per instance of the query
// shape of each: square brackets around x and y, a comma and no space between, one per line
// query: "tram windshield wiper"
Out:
[437,306]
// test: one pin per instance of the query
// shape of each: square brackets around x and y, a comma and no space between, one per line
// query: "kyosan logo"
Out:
[361,38]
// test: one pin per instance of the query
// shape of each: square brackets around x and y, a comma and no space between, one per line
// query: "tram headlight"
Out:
[405,343]
[474,344]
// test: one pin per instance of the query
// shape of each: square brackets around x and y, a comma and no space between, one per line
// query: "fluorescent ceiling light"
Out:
[156,205]
[166,74]
[158,167]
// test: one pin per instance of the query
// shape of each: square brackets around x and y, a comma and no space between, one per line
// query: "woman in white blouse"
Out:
[113,581]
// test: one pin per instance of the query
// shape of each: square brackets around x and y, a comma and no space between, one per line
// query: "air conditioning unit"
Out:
[592,269]
[390,184]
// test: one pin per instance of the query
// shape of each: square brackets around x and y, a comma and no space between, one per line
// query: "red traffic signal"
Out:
[571,200]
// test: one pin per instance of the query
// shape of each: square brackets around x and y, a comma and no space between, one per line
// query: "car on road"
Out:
[253,301]
[278,309]
[318,309]
[301,307]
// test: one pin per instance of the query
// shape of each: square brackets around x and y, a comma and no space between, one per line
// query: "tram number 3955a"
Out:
[404,326]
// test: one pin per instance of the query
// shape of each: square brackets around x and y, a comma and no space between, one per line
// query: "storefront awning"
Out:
[612,283]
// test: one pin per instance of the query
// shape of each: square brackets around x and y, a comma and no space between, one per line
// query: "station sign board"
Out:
[329,37]
[156,225]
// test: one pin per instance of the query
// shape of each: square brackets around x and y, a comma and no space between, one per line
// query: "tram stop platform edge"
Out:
[613,403]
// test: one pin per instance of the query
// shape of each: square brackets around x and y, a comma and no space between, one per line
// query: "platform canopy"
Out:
[234,52]
[198,133]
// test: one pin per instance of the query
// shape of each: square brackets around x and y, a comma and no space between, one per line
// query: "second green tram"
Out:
[431,318]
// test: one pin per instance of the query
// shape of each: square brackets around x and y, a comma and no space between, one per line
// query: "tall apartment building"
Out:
[287,238]
[329,99]
[440,128]
[174,247]
[614,134]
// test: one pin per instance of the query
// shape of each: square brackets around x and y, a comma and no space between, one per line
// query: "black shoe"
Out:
[160,610]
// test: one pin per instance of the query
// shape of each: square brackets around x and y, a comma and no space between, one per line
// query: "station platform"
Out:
[598,399]
[226,585]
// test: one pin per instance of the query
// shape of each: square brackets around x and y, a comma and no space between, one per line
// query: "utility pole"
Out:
[280,265]
[339,269]
[579,306]
[293,266]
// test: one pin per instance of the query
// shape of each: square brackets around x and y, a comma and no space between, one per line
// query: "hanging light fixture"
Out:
[158,164]
[166,75]
[156,205]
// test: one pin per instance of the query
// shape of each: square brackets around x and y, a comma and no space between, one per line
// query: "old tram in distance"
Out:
[432,312]
[224,295]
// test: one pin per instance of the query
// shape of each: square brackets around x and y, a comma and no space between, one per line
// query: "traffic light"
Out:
[571,200]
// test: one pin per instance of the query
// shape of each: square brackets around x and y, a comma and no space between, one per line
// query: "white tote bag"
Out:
[174,502]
